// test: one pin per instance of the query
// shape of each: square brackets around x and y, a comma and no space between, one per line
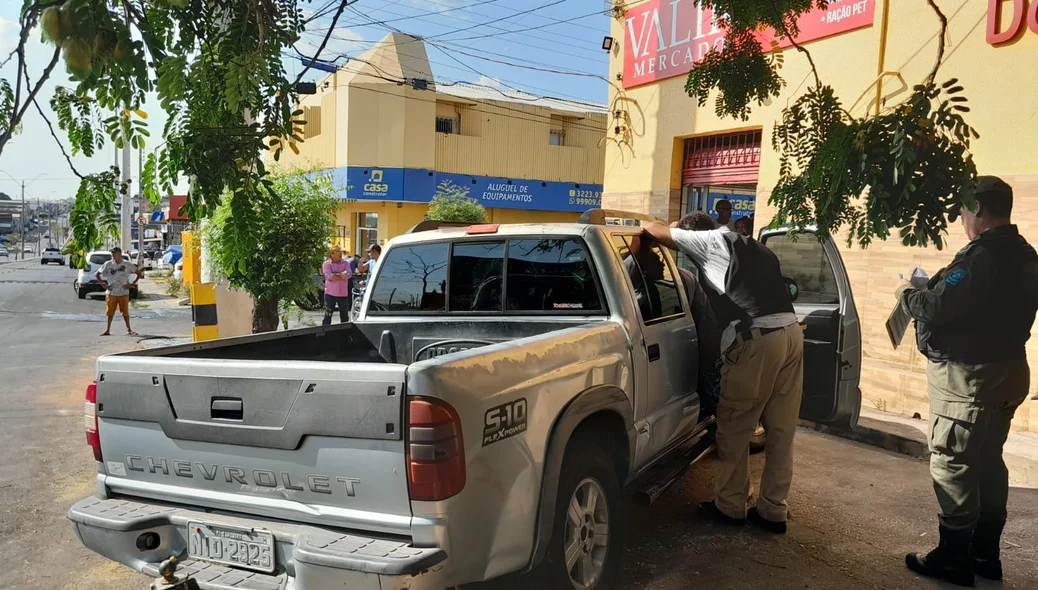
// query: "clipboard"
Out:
[897,324]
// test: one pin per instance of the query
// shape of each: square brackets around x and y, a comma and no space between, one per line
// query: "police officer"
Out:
[972,321]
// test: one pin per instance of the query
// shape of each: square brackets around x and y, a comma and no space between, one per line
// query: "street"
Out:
[855,510]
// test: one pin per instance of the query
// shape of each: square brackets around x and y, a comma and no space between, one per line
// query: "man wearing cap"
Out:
[972,321]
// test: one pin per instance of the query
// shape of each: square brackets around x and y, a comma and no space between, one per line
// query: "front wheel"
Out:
[587,538]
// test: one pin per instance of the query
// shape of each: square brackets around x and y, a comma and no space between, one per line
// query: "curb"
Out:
[877,433]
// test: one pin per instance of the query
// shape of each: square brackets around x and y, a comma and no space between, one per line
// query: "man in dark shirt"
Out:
[972,322]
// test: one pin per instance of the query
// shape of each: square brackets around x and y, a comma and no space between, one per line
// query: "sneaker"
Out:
[777,527]
[711,511]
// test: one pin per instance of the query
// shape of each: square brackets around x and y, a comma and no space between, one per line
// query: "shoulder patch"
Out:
[955,277]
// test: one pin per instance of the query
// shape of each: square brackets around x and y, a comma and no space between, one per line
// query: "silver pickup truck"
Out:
[502,389]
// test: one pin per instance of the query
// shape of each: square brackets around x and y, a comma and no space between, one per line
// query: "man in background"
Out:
[723,207]
[369,265]
[972,322]
[116,276]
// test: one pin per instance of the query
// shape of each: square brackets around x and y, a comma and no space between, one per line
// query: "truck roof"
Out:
[504,229]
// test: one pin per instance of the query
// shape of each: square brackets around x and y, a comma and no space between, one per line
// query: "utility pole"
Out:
[39,234]
[22,243]
[125,231]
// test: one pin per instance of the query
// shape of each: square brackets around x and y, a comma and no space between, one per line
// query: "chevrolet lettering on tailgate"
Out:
[262,478]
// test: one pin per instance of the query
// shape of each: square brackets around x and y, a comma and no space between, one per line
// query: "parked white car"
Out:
[52,255]
[86,282]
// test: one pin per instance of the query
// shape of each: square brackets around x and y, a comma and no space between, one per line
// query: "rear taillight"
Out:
[90,420]
[435,450]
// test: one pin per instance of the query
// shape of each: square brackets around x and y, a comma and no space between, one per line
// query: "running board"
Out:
[661,477]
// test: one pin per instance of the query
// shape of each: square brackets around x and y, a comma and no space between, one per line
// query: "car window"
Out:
[652,278]
[550,275]
[100,258]
[804,260]
[476,274]
[412,279]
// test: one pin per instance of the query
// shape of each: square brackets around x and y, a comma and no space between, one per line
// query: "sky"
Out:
[463,36]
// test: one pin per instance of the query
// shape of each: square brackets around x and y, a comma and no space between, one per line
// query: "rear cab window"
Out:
[100,258]
[489,276]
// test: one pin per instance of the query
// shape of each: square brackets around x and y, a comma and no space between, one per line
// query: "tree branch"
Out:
[17,116]
[799,47]
[940,40]
[56,140]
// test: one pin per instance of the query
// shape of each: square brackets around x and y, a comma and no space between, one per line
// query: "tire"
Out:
[758,440]
[586,467]
[80,291]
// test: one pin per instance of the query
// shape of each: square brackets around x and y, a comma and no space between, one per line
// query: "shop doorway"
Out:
[367,231]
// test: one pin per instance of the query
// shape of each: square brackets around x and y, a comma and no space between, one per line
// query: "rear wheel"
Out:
[80,291]
[587,537]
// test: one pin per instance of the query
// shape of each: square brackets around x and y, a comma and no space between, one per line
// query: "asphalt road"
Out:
[855,510]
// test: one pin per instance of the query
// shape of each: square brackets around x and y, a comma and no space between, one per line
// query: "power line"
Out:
[555,42]
[551,24]
[545,67]
[550,93]
[476,26]
[421,15]
[532,117]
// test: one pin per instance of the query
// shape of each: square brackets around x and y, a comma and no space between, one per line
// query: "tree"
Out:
[217,69]
[906,168]
[276,263]
[451,202]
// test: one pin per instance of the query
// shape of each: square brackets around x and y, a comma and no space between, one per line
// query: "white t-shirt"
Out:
[711,250]
[118,276]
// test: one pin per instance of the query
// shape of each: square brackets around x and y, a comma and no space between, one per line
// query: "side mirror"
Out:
[794,289]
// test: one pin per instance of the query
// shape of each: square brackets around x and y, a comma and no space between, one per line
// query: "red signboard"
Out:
[665,38]
[175,203]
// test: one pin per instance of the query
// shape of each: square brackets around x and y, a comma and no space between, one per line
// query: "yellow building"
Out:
[391,135]
[671,156]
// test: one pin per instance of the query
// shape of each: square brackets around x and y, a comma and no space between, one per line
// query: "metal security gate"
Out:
[731,158]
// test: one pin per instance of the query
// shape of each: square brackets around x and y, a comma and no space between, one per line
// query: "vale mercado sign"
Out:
[664,38]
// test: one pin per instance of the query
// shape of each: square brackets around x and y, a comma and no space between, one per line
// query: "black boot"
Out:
[986,552]
[950,561]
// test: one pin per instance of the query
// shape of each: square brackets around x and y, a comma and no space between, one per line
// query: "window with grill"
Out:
[445,125]
[556,137]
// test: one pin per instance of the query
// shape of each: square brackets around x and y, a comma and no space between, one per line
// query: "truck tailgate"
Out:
[299,440]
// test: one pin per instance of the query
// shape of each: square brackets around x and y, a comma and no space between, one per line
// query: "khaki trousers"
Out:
[762,381]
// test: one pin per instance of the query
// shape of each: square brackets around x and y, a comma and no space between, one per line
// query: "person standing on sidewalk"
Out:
[337,273]
[114,275]
[762,379]
[972,321]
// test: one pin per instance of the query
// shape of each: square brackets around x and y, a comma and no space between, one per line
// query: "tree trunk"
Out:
[264,316]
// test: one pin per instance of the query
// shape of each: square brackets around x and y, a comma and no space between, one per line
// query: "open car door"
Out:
[824,303]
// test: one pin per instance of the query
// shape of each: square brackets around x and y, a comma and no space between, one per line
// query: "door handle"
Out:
[227,408]
[654,352]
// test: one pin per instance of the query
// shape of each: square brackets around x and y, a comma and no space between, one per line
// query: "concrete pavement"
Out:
[855,510]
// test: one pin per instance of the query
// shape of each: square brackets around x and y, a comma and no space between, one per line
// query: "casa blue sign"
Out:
[742,205]
[412,185]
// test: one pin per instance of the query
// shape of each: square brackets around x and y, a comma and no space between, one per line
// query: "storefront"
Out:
[671,156]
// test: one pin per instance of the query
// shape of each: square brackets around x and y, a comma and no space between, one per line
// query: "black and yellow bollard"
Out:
[203,311]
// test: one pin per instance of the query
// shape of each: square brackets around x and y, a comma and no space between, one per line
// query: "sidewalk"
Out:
[153,296]
[908,436]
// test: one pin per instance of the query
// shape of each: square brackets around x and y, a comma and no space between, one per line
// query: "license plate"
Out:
[234,546]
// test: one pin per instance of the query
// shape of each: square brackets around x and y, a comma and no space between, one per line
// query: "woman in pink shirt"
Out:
[336,286]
